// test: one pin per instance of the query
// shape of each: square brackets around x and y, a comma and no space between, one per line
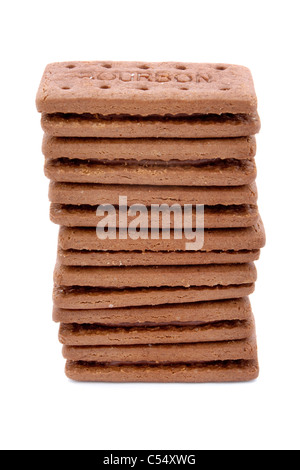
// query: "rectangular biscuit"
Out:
[145,258]
[250,238]
[245,349]
[214,217]
[181,314]
[146,88]
[72,334]
[96,194]
[137,127]
[91,298]
[205,372]
[155,276]
[218,172]
[242,148]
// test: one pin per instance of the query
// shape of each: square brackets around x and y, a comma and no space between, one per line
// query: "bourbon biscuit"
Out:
[217,172]
[72,334]
[214,217]
[155,276]
[176,315]
[205,372]
[137,127]
[146,88]
[244,349]
[242,148]
[250,238]
[82,298]
[96,194]
[145,258]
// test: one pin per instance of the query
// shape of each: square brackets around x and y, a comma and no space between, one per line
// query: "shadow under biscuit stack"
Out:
[151,310]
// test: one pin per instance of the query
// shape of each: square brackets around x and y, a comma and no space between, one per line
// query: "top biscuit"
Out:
[138,88]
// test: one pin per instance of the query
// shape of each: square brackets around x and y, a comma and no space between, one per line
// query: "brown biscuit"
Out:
[244,349]
[92,298]
[162,258]
[155,276]
[96,194]
[250,238]
[205,372]
[148,149]
[72,334]
[192,313]
[136,127]
[206,173]
[146,88]
[215,217]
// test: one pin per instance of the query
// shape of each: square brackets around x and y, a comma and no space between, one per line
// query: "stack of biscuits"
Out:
[144,308]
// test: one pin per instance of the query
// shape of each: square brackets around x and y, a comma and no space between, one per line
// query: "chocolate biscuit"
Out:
[96,194]
[137,127]
[145,258]
[214,217]
[176,315]
[72,334]
[94,298]
[250,238]
[218,371]
[202,173]
[244,349]
[155,276]
[146,88]
[242,148]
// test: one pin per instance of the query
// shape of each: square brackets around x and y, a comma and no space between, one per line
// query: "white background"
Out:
[40,407]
